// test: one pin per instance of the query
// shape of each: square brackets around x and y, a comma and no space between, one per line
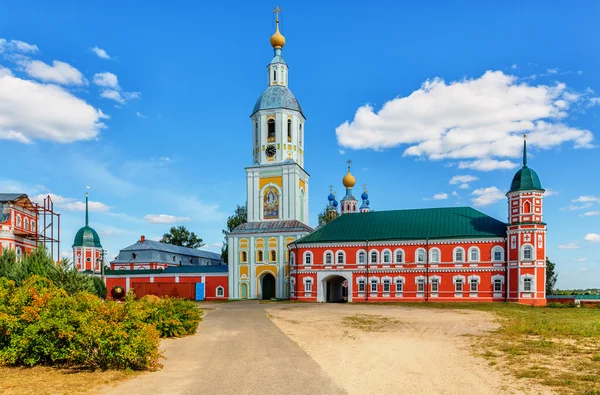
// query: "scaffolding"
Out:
[48,232]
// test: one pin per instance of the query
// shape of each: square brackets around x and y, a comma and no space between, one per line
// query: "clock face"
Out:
[271,150]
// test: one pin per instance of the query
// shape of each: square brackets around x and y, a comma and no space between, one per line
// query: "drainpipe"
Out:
[367,283]
[427,269]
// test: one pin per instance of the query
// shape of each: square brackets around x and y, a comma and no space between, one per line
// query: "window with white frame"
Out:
[292,256]
[386,285]
[420,256]
[421,285]
[513,242]
[435,285]
[308,285]
[474,284]
[527,253]
[497,285]
[459,254]
[32,225]
[220,292]
[473,254]
[362,257]
[399,285]
[497,254]
[19,254]
[19,221]
[361,285]
[399,256]
[458,285]
[26,223]
[308,258]
[387,257]
[435,255]
[374,285]
[373,256]
[340,258]
[527,284]
[540,241]
[328,258]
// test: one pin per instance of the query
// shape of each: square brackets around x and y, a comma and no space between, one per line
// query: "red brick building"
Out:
[438,254]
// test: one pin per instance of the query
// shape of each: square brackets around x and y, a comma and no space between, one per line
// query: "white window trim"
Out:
[403,255]
[477,280]
[417,255]
[369,256]
[292,258]
[399,280]
[533,252]
[471,249]
[325,257]
[498,248]
[307,253]
[336,257]
[358,280]
[220,288]
[388,251]
[358,257]
[307,281]
[522,283]
[417,278]
[390,282]
[454,254]
[438,278]
[431,255]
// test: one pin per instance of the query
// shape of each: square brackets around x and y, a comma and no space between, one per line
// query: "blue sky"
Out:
[149,103]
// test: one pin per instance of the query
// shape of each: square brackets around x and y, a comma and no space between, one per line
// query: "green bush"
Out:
[172,317]
[559,305]
[41,324]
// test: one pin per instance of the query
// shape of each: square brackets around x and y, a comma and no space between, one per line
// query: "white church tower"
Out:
[276,188]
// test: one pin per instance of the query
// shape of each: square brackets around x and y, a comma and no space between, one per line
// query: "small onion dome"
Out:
[277,39]
[368,202]
[364,196]
[331,198]
[349,181]
[335,203]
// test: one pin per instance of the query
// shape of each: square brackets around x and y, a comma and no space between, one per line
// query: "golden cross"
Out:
[277,10]
[331,189]
[365,186]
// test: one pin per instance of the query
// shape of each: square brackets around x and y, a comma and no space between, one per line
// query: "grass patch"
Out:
[368,322]
[46,380]
[559,348]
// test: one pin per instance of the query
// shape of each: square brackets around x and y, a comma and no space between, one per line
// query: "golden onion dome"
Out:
[349,181]
[277,39]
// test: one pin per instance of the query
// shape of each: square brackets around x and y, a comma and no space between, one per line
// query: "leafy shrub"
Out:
[559,305]
[172,317]
[41,324]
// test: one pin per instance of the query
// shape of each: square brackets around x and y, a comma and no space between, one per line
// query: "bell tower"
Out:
[526,234]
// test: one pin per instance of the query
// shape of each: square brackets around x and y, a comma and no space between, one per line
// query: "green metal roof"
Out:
[526,179]
[87,237]
[417,224]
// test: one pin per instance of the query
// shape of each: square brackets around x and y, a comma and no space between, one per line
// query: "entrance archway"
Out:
[335,289]
[268,286]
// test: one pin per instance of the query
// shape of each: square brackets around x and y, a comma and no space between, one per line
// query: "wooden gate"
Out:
[174,290]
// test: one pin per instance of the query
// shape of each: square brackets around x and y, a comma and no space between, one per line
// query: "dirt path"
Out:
[237,350]
[396,350]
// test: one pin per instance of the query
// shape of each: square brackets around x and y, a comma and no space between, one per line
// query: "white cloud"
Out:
[570,246]
[106,79]
[463,179]
[574,207]
[475,120]
[552,71]
[587,199]
[454,193]
[101,53]
[487,196]
[579,260]
[514,67]
[164,219]
[33,111]
[60,72]
[591,213]
[487,165]
[550,192]
[440,196]
[71,204]
[17,46]
[593,237]
[464,186]
[116,95]
[140,115]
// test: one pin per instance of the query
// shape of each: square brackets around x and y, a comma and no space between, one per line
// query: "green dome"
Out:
[526,179]
[87,237]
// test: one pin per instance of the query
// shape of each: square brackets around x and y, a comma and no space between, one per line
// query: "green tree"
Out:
[551,277]
[240,216]
[181,236]
[326,216]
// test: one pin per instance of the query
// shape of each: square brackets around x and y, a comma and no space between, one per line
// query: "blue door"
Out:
[199,291]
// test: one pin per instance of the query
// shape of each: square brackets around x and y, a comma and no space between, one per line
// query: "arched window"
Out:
[308,258]
[459,254]
[420,256]
[387,257]
[256,133]
[244,257]
[399,256]
[289,131]
[32,225]
[527,253]
[26,223]
[328,258]
[300,136]
[527,207]
[435,255]
[274,75]
[497,254]
[220,292]
[362,257]
[292,256]
[273,256]
[259,256]
[173,258]
[19,221]
[373,256]
[473,254]
[271,130]
[341,258]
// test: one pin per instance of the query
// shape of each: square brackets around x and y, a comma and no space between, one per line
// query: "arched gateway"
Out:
[267,285]
[334,287]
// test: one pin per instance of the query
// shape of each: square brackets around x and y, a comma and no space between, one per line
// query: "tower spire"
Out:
[86,207]
[525,150]
[277,39]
